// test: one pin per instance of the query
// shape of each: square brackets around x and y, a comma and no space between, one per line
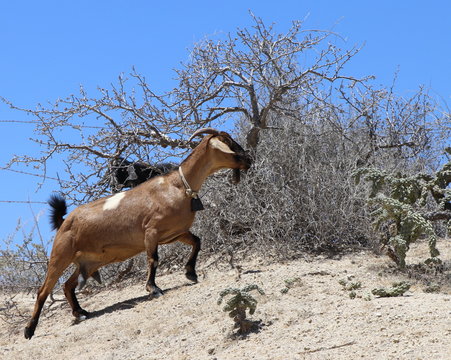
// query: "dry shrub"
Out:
[23,263]
[297,197]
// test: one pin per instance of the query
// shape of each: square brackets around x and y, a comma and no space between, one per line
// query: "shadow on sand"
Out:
[127,304]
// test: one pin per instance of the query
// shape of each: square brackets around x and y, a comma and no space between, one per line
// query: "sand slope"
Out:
[315,319]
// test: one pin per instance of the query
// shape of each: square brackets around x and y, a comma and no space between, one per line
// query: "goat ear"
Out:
[220,145]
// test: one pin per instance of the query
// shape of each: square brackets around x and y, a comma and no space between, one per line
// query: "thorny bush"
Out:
[408,205]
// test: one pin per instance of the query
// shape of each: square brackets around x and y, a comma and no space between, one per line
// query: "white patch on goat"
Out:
[81,282]
[222,146]
[114,201]
[81,279]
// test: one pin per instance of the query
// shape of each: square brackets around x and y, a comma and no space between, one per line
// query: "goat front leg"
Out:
[152,261]
[191,239]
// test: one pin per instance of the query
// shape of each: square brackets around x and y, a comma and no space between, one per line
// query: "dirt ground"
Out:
[313,318]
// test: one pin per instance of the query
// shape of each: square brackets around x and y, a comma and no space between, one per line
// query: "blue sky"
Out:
[50,48]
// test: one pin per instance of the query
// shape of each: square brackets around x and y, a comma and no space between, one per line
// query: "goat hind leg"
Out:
[69,290]
[57,265]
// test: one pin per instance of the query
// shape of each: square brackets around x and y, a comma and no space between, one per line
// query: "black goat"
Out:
[127,174]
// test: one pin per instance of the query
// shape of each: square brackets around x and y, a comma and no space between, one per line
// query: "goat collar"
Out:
[189,192]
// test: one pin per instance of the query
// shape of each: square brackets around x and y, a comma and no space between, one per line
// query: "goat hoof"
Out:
[29,332]
[191,276]
[156,292]
[81,314]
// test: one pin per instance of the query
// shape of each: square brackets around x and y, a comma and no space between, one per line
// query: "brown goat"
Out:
[115,228]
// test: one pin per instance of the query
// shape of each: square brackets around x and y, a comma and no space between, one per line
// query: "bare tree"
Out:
[258,73]
[308,124]
[254,73]
[379,121]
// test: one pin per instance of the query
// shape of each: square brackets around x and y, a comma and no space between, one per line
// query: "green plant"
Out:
[397,289]
[350,286]
[291,283]
[240,301]
[432,288]
[401,205]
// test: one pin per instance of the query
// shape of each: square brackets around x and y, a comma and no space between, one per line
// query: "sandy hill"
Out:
[313,319]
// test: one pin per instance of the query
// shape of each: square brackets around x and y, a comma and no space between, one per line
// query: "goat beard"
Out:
[236,176]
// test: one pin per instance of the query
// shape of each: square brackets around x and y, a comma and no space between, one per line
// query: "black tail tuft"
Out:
[59,209]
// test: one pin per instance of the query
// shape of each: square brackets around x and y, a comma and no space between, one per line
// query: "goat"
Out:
[115,228]
[127,174]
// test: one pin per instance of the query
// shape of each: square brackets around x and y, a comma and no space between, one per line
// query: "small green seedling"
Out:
[432,288]
[291,283]
[350,285]
[238,303]
[397,289]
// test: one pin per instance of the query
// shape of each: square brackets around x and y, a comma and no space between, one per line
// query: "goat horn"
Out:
[203,131]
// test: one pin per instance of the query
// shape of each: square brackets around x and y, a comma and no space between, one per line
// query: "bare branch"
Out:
[254,76]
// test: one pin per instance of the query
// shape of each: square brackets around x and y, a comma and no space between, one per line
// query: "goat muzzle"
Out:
[236,176]
[246,161]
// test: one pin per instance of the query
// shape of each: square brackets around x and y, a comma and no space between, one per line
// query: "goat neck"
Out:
[198,165]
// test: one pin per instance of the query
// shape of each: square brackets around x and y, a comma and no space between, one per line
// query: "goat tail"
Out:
[59,209]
